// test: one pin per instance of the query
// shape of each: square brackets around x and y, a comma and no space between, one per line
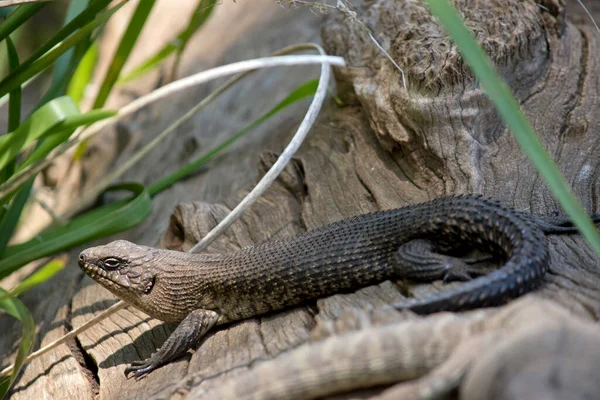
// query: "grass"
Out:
[71,54]
[57,120]
[511,114]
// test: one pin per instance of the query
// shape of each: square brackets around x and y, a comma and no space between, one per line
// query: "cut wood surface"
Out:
[385,148]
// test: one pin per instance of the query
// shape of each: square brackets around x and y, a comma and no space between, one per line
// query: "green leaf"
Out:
[60,78]
[67,127]
[14,102]
[14,105]
[5,11]
[54,123]
[41,275]
[7,214]
[134,28]
[83,74]
[11,217]
[100,222]
[25,84]
[509,110]
[17,309]
[40,123]
[151,63]
[199,17]
[78,22]
[65,64]
[24,73]
[203,11]
[18,17]
[307,89]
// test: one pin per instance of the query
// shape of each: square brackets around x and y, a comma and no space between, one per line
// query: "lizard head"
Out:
[121,267]
[145,277]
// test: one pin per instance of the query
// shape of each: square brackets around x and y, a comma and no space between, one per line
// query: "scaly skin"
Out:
[488,347]
[365,358]
[202,290]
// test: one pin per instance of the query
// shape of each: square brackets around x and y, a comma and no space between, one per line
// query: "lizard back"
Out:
[359,251]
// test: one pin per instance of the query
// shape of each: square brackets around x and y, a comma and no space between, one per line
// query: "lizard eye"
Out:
[112,263]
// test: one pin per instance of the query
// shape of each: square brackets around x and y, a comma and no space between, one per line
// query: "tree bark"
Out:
[387,147]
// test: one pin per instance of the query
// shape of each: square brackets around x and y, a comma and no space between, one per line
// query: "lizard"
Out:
[200,291]
[440,353]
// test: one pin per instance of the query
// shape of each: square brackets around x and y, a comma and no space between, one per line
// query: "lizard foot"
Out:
[420,260]
[457,269]
[141,368]
[183,338]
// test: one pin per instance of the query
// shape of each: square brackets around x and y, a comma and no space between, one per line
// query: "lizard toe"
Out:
[140,369]
[459,270]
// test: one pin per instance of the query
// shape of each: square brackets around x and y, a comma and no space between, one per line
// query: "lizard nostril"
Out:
[81,258]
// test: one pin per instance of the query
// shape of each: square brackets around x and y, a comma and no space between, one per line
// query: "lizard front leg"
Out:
[185,336]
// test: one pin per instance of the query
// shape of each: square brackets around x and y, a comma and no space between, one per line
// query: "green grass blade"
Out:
[5,11]
[54,122]
[134,28]
[14,101]
[80,21]
[150,63]
[41,275]
[83,74]
[18,77]
[65,64]
[203,11]
[100,222]
[14,119]
[40,123]
[18,17]
[64,71]
[11,217]
[67,127]
[199,17]
[17,309]
[509,110]
[14,105]
[307,89]
[28,82]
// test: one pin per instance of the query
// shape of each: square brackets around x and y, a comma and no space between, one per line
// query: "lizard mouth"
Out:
[117,280]
[98,274]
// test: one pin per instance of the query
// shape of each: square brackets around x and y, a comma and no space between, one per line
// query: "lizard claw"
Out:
[457,270]
[462,270]
[140,368]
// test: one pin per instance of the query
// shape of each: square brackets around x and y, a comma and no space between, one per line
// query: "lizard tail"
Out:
[520,237]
